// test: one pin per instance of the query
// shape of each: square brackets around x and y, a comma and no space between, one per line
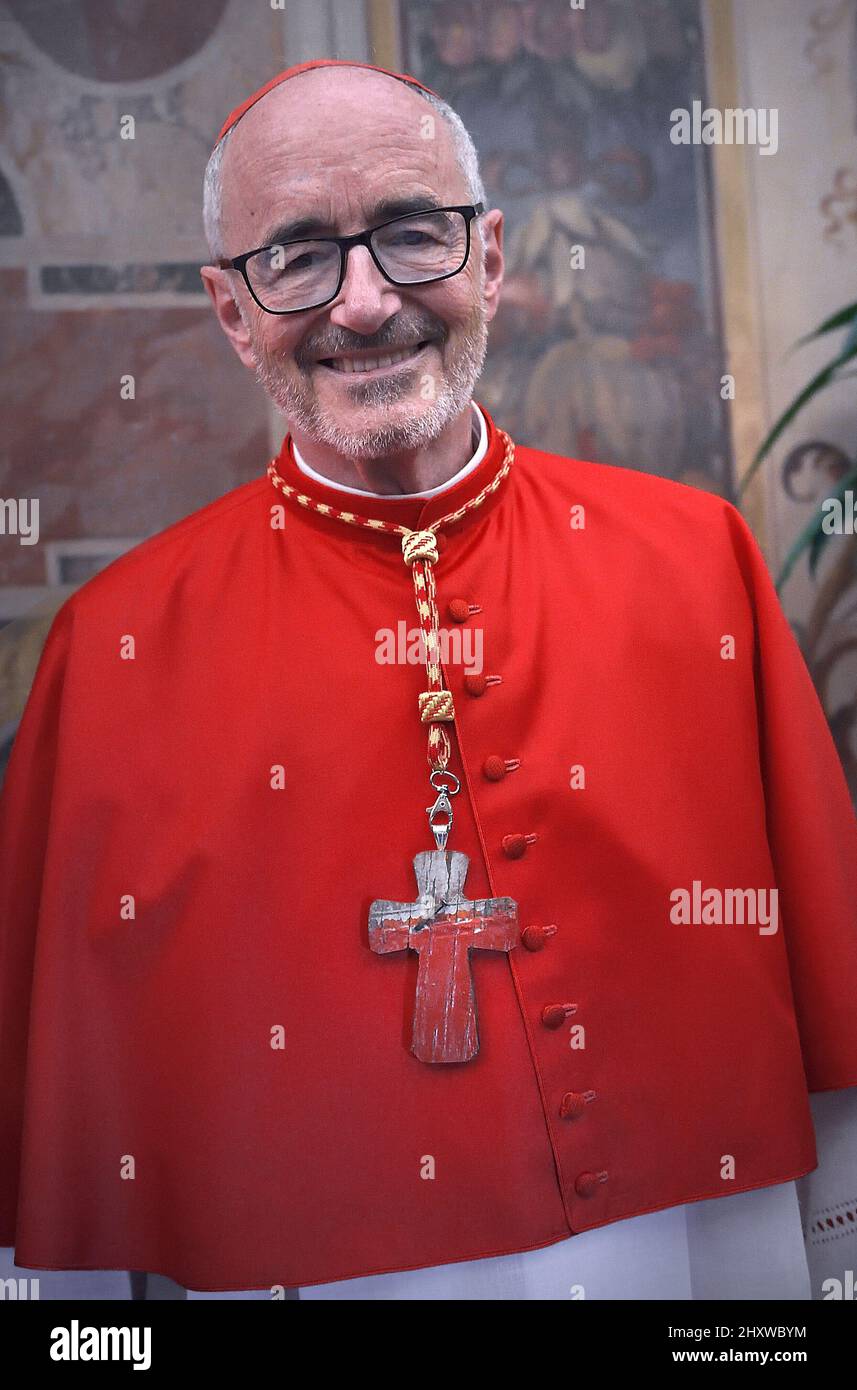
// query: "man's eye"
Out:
[284,262]
[305,261]
[413,238]
[425,242]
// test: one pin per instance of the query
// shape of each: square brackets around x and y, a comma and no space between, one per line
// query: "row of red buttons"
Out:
[533,938]
[495,767]
[573,1103]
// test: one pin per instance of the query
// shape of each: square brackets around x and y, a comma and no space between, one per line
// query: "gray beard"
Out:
[454,396]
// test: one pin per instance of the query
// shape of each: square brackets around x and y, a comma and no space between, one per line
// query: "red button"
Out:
[495,768]
[516,845]
[572,1105]
[458,609]
[535,938]
[475,685]
[553,1015]
[586,1184]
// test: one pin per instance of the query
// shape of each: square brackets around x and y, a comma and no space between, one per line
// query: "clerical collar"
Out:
[481,450]
[414,512]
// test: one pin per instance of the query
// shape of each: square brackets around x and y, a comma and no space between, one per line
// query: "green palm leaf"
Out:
[813,537]
[827,376]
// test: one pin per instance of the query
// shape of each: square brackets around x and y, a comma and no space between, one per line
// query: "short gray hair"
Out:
[465,153]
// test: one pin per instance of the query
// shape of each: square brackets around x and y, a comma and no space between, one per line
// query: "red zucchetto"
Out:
[235,116]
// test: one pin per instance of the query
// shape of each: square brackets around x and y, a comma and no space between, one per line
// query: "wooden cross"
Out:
[443,927]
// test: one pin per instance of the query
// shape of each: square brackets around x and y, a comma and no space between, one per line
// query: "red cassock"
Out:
[652,726]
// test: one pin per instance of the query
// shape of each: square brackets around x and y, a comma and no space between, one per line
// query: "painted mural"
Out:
[615,355]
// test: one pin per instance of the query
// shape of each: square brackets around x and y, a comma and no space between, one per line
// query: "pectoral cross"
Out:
[443,927]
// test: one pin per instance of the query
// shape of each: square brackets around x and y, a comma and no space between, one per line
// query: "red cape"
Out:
[144,1045]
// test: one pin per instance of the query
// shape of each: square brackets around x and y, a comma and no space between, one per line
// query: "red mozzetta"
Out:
[207,1071]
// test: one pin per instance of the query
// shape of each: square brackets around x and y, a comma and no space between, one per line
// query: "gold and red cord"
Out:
[419,551]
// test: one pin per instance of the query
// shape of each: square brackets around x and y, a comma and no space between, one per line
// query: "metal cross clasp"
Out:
[440,814]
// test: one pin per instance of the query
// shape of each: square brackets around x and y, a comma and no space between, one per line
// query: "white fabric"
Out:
[828,1196]
[481,451]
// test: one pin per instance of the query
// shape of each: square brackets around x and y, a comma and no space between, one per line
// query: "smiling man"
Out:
[270,1020]
[373,360]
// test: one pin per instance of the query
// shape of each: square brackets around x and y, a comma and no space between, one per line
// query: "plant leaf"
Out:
[823,378]
[842,319]
[813,538]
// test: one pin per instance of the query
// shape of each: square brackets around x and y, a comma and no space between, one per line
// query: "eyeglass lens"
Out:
[412,250]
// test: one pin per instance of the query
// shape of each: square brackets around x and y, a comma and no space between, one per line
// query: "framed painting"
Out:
[611,339]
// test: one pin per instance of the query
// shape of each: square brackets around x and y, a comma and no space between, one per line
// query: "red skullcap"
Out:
[241,110]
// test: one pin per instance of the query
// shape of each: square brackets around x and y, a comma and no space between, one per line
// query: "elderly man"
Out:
[337,957]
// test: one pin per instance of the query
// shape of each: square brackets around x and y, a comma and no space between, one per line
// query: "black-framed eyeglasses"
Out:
[417,249]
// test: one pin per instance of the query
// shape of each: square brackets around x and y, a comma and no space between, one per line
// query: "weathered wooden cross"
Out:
[443,927]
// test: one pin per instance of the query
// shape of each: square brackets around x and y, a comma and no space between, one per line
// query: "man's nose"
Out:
[366,299]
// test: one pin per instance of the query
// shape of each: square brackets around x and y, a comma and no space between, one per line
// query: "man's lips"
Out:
[374,363]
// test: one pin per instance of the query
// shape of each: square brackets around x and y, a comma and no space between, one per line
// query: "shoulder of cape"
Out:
[679,513]
[632,493]
[163,551]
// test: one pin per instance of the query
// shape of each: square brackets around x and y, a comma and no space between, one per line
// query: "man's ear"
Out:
[492,233]
[226,309]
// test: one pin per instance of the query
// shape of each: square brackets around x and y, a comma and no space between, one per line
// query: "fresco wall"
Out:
[108,112]
[608,339]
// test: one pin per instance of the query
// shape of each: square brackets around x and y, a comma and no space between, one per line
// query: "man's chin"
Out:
[368,421]
[378,433]
[373,428]
[359,414]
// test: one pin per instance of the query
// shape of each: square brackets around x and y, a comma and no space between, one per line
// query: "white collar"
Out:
[481,451]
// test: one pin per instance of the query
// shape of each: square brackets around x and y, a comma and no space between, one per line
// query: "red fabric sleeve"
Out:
[812,833]
[25,812]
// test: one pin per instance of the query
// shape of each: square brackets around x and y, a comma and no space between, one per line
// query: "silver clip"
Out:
[442,807]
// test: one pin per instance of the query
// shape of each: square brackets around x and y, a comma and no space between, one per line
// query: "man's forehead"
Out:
[370,144]
[289,73]
[342,106]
